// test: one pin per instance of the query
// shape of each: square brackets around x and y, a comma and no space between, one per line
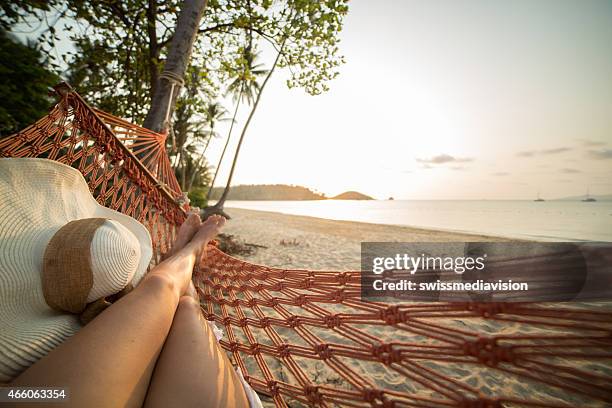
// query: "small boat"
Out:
[587,198]
[539,199]
[390,198]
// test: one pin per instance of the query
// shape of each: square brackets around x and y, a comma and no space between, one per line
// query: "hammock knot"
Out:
[332,321]
[371,395]
[392,315]
[264,322]
[35,150]
[255,349]
[481,402]
[273,388]
[283,350]
[386,354]
[488,352]
[252,302]
[293,321]
[323,351]
[300,300]
[338,295]
[342,278]
[233,346]
[118,157]
[313,394]
[306,283]
[489,309]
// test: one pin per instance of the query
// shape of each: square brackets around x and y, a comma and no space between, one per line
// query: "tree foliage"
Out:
[24,85]
[121,47]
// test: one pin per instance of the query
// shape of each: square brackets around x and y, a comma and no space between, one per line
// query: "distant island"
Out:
[277,192]
[352,195]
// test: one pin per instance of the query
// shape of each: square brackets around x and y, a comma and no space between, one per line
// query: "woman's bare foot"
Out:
[185,233]
[207,231]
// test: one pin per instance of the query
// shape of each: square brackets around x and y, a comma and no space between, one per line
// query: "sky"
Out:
[446,99]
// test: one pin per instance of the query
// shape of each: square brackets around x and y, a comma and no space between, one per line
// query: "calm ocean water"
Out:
[548,221]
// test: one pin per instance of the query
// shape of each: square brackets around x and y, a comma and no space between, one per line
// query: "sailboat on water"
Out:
[587,198]
[539,199]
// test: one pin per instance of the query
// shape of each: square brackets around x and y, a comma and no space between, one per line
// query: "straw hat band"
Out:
[67,277]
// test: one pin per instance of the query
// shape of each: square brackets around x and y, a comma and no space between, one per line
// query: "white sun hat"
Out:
[59,251]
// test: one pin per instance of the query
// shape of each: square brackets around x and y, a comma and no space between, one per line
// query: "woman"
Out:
[150,348]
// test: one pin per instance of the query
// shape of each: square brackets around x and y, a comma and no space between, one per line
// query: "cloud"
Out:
[531,153]
[444,158]
[570,171]
[555,150]
[601,154]
[591,143]
[458,168]
[500,174]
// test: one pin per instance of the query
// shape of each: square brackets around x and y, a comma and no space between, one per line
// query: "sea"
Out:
[541,221]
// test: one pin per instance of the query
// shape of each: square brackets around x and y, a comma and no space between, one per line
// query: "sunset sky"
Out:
[449,100]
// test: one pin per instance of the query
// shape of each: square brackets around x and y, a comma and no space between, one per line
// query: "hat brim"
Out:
[37,198]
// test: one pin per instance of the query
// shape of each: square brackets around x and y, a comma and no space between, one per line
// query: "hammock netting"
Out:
[305,338]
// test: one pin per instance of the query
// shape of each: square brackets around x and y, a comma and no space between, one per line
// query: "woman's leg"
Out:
[109,362]
[192,370]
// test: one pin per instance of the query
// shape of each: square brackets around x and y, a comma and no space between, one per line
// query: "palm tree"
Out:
[218,207]
[244,88]
[187,128]
[214,113]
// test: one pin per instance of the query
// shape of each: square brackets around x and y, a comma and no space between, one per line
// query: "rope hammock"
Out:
[305,338]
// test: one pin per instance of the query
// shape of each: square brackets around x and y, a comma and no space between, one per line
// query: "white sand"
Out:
[320,244]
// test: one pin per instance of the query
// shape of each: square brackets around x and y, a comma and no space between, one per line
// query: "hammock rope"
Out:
[305,338]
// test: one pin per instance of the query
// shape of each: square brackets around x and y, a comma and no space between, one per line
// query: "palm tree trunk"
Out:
[229,135]
[181,46]
[183,171]
[219,204]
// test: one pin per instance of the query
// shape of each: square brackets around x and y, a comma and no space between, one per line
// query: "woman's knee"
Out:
[188,304]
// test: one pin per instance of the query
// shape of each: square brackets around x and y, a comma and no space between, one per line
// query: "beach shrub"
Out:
[197,197]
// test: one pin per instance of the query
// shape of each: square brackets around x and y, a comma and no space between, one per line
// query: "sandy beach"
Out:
[294,241]
[301,242]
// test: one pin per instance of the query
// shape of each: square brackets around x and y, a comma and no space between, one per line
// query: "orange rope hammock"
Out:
[305,337]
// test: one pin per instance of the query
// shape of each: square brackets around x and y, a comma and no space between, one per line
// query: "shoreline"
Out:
[305,242]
